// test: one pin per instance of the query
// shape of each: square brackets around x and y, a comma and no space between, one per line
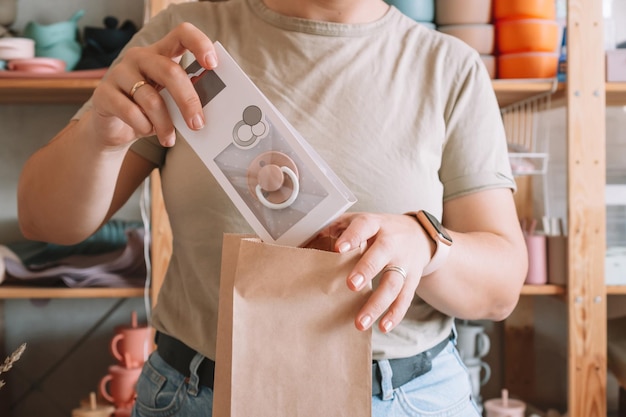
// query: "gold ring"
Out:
[394,268]
[136,87]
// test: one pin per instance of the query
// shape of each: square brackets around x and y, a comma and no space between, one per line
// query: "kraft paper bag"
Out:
[286,344]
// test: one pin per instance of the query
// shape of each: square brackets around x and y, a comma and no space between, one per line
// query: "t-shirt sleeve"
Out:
[475,155]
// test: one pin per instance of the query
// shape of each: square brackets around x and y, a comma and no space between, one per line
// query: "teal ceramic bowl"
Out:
[420,10]
[69,51]
[48,35]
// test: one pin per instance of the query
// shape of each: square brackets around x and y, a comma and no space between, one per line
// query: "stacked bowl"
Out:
[422,11]
[470,21]
[527,38]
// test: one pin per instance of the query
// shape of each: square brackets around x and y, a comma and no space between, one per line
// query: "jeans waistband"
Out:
[179,356]
[407,369]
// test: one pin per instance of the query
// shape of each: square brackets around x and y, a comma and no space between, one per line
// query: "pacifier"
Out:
[273,180]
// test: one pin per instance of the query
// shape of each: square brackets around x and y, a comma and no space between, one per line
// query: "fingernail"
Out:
[387,325]
[197,121]
[170,141]
[357,280]
[344,247]
[211,59]
[365,321]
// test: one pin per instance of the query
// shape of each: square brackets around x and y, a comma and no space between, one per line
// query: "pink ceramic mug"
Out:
[537,259]
[132,345]
[118,386]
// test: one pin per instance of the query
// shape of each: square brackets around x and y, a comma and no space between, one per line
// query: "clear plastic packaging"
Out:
[279,183]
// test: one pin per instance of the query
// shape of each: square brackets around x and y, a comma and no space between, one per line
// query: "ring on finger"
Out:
[136,87]
[395,268]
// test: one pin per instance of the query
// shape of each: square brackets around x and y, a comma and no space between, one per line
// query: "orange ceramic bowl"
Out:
[459,12]
[481,37]
[527,35]
[528,65]
[524,9]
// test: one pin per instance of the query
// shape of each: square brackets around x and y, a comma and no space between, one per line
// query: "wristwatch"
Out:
[442,239]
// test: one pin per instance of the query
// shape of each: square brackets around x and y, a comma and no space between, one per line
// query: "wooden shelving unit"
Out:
[46,90]
[9,292]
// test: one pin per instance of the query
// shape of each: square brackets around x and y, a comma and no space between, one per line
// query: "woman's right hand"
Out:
[120,118]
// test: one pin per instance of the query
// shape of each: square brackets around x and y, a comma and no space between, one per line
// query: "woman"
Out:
[406,116]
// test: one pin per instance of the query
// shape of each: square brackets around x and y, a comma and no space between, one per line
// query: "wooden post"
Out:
[161,239]
[5,392]
[586,161]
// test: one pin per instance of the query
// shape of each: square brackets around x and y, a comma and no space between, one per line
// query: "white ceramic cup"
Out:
[472,341]
[479,373]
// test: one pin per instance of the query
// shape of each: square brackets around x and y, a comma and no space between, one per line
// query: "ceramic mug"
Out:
[479,373]
[132,345]
[472,341]
[537,259]
[118,386]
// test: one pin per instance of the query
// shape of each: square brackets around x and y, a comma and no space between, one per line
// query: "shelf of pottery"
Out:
[515,39]
[130,346]
[55,50]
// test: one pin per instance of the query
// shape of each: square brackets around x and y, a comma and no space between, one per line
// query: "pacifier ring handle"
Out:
[289,201]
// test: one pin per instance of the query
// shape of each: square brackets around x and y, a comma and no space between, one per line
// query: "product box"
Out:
[615,261]
[278,182]
[616,65]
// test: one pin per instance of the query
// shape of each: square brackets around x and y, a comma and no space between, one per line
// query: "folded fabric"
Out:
[7,253]
[120,268]
[110,237]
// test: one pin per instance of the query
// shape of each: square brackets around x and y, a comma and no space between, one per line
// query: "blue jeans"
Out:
[162,391]
[444,391]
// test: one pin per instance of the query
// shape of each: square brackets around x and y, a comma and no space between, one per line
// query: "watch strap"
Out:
[442,244]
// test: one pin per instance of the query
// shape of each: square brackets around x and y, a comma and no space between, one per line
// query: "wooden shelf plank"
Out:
[8,292]
[616,94]
[561,290]
[616,289]
[513,91]
[543,290]
[46,90]
[12,292]
[77,90]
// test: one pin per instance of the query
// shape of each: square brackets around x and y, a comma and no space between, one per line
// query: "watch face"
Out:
[441,232]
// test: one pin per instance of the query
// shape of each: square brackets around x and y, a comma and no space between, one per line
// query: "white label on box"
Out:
[282,187]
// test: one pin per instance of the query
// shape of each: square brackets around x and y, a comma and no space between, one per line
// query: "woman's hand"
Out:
[391,240]
[125,108]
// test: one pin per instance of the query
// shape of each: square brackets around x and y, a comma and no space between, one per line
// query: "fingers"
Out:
[187,37]
[157,65]
[353,230]
[392,297]
[393,241]
[389,302]
[123,93]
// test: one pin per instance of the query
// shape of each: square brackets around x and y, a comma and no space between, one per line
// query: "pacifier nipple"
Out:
[270,177]
[273,180]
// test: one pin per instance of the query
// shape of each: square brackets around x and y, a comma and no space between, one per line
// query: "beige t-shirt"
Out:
[406,116]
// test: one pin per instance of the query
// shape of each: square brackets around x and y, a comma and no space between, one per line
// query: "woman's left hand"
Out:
[392,240]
